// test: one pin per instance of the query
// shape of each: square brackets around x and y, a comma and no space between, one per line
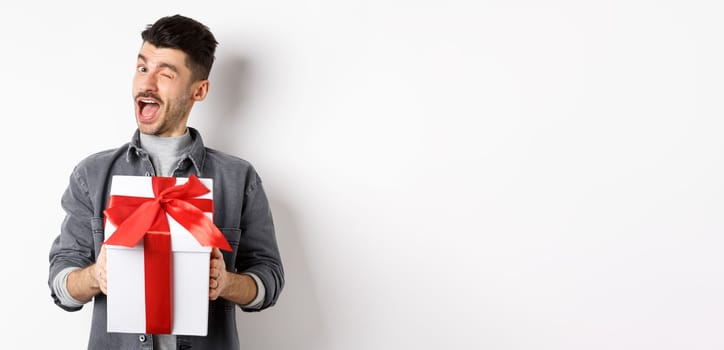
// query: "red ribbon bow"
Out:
[145,218]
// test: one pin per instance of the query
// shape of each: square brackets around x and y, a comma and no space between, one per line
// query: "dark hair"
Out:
[187,35]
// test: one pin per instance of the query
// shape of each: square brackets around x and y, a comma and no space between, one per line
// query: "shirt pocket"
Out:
[232,235]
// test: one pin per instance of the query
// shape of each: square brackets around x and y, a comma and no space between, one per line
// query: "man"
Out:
[171,75]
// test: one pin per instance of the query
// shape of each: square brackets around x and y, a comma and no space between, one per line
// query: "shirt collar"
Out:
[197,152]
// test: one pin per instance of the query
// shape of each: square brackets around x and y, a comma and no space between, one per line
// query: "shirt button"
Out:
[142,338]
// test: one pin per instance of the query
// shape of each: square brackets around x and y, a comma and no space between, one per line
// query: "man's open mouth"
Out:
[147,107]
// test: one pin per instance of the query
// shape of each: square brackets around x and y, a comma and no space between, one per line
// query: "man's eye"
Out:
[142,69]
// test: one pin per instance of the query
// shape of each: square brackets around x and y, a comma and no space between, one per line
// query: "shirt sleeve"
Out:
[74,247]
[260,293]
[258,252]
[60,287]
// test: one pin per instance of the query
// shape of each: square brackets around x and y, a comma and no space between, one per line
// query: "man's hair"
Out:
[187,35]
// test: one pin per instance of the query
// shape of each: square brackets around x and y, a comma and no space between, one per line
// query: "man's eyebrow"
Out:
[169,66]
[162,65]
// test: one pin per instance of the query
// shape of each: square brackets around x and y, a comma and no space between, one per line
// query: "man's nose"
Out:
[148,82]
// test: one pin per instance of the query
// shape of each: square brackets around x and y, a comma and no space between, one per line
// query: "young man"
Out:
[171,75]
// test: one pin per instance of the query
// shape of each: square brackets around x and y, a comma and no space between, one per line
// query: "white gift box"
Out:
[126,307]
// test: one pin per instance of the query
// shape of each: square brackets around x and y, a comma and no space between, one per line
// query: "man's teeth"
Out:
[148,101]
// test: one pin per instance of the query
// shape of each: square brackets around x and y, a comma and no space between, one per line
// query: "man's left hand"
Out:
[217,274]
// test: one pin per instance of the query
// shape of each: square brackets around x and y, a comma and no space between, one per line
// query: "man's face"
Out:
[163,91]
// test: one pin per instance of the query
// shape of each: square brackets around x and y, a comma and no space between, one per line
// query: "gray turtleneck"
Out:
[166,152]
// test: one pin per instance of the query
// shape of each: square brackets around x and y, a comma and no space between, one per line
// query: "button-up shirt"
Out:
[241,212]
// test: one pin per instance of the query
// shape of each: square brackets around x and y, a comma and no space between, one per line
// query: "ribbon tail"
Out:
[198,224]
[159,282]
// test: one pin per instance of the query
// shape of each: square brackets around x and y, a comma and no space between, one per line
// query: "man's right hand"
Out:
[99,271]
[86,283]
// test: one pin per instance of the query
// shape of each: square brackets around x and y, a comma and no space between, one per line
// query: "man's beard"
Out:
[173,111]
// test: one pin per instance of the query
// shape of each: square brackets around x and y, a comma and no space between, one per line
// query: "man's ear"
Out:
[200,90]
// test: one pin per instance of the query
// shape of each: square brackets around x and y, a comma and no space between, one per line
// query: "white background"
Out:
[443,174]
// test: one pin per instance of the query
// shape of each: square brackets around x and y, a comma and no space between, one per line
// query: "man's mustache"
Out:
[148,94]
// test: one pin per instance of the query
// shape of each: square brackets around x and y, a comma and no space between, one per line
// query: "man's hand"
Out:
[99,271]
[217,274]
[86,283]
[234,287]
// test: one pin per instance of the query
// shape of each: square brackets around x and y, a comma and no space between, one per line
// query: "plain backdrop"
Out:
[502,175]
